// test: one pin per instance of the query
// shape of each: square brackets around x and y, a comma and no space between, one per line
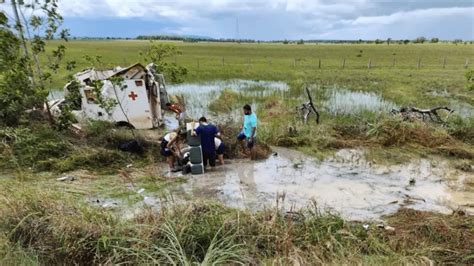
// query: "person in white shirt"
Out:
[170,147]
[220,148]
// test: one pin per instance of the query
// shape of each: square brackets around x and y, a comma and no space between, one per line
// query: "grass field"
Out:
[403,83]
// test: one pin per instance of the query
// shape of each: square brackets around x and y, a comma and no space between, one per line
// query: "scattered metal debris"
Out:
[66,178]
[306,109]
[413,113]
[386,227]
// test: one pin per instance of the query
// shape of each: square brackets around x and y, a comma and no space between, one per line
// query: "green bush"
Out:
[25,147]
[462,129]
[42,148]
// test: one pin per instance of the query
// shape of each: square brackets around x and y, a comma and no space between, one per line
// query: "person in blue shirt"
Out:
[249,130]
[207,132]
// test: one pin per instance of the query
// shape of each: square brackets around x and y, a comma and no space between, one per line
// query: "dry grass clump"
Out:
[443,238]
[233,149]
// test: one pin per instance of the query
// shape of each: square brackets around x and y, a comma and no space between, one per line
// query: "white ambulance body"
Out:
[140,99]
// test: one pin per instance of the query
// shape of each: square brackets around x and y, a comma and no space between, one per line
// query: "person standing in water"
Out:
[220,148]
[247,137]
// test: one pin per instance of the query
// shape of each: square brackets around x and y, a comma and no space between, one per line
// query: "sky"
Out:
[271,19]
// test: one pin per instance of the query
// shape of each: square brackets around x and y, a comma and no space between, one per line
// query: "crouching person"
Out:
[170,149]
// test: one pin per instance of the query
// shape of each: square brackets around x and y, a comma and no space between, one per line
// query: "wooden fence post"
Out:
[370,63]
[319,63]
[466,65]
[343,63]
[444,62]
[419,63]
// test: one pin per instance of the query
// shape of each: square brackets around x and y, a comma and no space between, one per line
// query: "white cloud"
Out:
[446,23]
[434,13]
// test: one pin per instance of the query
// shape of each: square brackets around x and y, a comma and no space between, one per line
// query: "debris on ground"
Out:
[132,146]
[386,227]
[66,178]
[414,113]
[306,109]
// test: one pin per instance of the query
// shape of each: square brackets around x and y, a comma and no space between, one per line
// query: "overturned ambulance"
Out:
[140,100]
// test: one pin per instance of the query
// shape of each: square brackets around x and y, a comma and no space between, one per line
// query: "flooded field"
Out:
[345,183]
[198,96]
[345,102]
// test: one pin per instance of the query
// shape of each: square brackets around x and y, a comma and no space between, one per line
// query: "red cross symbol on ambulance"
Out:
[133,95]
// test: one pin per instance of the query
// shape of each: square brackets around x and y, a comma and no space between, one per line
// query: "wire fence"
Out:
[323,63]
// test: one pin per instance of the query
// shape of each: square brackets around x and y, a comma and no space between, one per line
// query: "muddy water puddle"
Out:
[345,183]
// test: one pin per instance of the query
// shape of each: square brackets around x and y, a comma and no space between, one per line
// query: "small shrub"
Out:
[28,146]
[226,102]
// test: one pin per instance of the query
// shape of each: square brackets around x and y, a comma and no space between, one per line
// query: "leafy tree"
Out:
[378,41]
[23,78]
[389,40]
[420,40]
[406,41]
[160,55]
[286,41]
[300,42]
[434,40]
[17,92]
